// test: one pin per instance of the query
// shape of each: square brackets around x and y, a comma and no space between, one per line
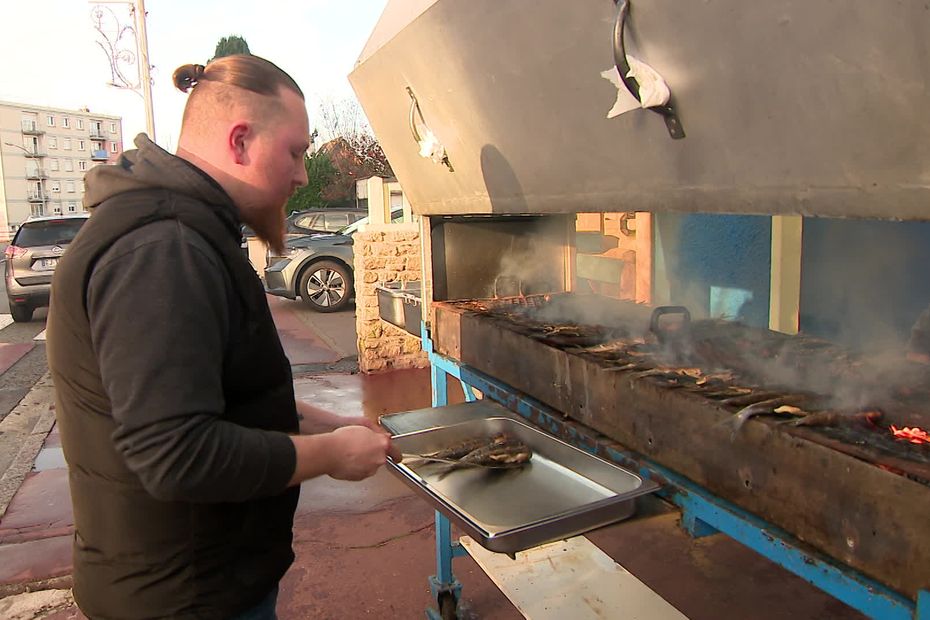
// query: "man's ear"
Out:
[240,136]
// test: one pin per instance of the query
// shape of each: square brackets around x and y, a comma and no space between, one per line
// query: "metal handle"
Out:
[663,334]
[667,111]
[508,279]
[412,120]
[414,112]
[624,224]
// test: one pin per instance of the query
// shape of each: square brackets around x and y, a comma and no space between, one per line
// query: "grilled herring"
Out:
[502,454]
[457,451]
[765,407]
[498,452]
[837,418]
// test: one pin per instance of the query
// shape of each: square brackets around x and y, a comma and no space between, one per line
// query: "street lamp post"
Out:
[38,169]
[118,55]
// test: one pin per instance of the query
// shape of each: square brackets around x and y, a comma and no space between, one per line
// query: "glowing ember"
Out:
[913,435]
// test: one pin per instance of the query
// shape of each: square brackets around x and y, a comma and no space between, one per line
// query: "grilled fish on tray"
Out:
[501,451]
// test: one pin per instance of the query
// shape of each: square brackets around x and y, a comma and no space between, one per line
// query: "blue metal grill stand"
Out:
[702,513]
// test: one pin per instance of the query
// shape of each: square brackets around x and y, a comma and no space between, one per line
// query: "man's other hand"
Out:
[359,451]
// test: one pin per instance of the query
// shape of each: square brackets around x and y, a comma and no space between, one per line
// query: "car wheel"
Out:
[21,313]
[326,286]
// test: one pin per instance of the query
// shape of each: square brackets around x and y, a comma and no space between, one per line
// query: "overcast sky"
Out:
[51,56]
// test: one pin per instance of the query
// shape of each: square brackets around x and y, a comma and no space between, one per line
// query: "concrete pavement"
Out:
[366,549]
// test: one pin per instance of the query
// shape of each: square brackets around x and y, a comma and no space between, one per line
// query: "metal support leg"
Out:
[440,386]
[923,605]
[443,585]
[469,392]
[694,526]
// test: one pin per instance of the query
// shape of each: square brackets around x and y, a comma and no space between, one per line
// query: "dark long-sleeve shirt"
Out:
[157,301]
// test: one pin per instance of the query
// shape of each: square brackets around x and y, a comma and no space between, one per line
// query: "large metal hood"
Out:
[811,107]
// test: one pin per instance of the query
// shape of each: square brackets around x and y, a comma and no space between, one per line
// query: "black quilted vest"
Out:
[135,556]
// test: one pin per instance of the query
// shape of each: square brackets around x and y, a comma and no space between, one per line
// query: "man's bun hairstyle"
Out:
[187,76]
[245,71]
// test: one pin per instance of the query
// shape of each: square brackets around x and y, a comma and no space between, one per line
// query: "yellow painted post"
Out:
[785,288]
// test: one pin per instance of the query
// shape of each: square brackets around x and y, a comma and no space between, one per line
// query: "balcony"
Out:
[33,175]
[37,196]
[31,128]
[100,155]
[96,132]
[34,153]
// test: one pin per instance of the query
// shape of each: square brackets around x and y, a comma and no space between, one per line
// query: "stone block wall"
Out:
[386,253]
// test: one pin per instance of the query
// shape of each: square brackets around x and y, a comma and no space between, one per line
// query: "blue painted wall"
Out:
[864,282]
[719,265]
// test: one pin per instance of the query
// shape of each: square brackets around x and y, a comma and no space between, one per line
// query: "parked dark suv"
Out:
[31,259]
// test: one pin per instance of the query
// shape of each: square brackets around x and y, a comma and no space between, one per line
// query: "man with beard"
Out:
[175,400]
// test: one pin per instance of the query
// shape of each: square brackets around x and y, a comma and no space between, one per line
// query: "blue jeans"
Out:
[263,611]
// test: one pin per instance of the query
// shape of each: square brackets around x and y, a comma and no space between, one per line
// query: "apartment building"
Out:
[44,154]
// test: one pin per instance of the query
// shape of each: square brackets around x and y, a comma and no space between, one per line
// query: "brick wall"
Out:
[386,253]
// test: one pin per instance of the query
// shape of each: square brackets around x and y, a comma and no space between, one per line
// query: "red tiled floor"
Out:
[376,564]
[372,395]
[53,440]
[41,508]
[35,560]
[300,344]
[12,353]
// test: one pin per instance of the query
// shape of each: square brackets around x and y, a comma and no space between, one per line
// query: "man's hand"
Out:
[360,453]
[348,453]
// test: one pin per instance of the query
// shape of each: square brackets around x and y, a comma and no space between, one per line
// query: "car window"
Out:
[335,221]
[396,216]
[305,221]
[51,232]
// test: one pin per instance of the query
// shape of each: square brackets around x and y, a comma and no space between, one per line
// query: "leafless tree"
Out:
[344,118]
[341,118]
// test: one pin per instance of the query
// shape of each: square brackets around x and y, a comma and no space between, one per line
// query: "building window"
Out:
[50,120]
[53,165]
[72,207]
[56,210]
[114,148]
[66,144]
[112,127]
[66,122]
[80,123]
[80,145]
[69,165]
[38,210]
[52,142]
[69,185]
[55,186]
[82,165]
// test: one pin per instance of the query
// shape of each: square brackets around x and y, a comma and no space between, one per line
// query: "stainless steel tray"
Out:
[399,305]
[561,492]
